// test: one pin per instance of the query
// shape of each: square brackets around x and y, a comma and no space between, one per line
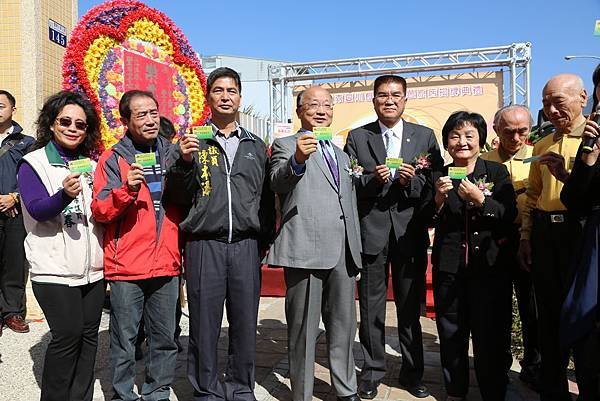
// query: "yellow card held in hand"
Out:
[393,162]
[203,131]
[80,166]
[457,173]
[323,133]
[146,159]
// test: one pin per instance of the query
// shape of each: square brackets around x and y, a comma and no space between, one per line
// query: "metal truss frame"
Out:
[514,58]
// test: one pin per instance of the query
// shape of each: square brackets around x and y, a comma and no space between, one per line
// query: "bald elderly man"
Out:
[318,245]
[549,233]
[513,124]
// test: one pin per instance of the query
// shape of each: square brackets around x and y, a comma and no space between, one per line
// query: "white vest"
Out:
[67,249]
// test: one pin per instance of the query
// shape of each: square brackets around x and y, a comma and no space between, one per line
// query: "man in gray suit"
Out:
[389,200]
[318,244]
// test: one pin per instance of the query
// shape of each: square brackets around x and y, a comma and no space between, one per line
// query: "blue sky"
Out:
[324,29]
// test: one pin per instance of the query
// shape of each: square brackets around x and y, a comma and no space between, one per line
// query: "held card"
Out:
[323,133]
[457,173]
[393,162]
[80,166]
[203,131]
[146,159]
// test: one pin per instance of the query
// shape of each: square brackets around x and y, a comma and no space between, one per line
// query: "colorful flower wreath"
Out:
[95,64]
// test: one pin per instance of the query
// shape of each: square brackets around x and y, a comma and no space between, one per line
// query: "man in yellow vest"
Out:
[512,125]
[549,233]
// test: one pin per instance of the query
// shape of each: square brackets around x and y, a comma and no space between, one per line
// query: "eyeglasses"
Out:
[315,106]
[66,122]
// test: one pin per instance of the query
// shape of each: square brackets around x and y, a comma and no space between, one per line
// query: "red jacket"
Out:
[134,249]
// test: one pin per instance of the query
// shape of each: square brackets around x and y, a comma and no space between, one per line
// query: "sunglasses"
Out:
[66,122]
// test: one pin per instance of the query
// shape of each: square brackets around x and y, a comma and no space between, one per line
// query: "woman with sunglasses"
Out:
[63,243]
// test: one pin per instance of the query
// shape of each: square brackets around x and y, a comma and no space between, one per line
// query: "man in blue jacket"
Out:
[13,145]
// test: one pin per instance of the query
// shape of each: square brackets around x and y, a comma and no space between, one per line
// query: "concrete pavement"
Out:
[22,361]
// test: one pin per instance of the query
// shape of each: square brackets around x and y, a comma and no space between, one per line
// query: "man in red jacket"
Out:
[142,257]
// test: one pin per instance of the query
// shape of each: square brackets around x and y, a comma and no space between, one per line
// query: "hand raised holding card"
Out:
[135,177]
[305,146]
[189,145]
[470,192]
[72,185]
[382,173]
[443,185]
[405,173]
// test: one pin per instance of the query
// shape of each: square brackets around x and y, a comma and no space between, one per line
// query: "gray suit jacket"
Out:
[315,217]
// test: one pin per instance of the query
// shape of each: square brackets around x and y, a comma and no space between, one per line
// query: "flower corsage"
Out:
[422,161]
[355,170]
[484,186]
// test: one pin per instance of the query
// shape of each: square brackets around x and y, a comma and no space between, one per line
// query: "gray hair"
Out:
[511,107]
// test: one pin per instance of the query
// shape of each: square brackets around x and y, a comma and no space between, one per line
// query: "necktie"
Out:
[389,137]
[386,136]
[331,163]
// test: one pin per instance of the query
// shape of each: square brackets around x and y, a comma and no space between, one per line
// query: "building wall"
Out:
[31,65]
[10,48]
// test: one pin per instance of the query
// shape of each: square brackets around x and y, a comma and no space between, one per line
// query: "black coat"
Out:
[479,231]
[246,203]
[582,189]
[8,162]
[387,206]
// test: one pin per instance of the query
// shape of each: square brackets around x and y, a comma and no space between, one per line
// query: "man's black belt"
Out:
[559,216]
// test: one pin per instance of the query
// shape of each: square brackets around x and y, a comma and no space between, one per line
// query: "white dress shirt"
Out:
[393,146]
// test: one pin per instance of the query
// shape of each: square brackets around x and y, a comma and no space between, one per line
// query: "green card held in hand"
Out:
[80,166]
[323,133]
[531,159]
[393,162]
[146,159]
[457,173]
[203,131]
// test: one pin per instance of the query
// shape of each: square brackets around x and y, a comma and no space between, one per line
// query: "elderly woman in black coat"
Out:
[473,209]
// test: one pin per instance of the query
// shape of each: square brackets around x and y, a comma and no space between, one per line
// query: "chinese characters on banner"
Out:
[146,74]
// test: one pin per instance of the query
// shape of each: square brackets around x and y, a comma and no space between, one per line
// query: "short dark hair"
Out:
[124,103]
[458,119]
[596,81]
[91,145]
[223,72]
[299,98]
[167,129]
[386,79]
[11,98]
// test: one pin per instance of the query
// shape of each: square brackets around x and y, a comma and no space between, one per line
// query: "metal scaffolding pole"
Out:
[516,57]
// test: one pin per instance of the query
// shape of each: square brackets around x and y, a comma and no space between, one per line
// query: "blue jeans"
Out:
[155,299]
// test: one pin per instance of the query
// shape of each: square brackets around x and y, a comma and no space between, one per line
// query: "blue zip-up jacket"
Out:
[9,161]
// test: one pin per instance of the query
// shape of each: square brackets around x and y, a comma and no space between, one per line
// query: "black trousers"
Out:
[476,303]
[73,314]
[219,273]
[553,245]
[408,281]
[12,266]
[523,287]
[587,368]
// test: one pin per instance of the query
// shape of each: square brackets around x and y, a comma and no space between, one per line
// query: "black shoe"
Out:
[418,389]
[530,375]
[353,397]
[367,389]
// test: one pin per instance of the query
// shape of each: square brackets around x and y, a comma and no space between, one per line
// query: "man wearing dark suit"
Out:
[318,244]
[388,205]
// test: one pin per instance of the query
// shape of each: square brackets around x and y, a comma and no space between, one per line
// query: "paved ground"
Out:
[22,360]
